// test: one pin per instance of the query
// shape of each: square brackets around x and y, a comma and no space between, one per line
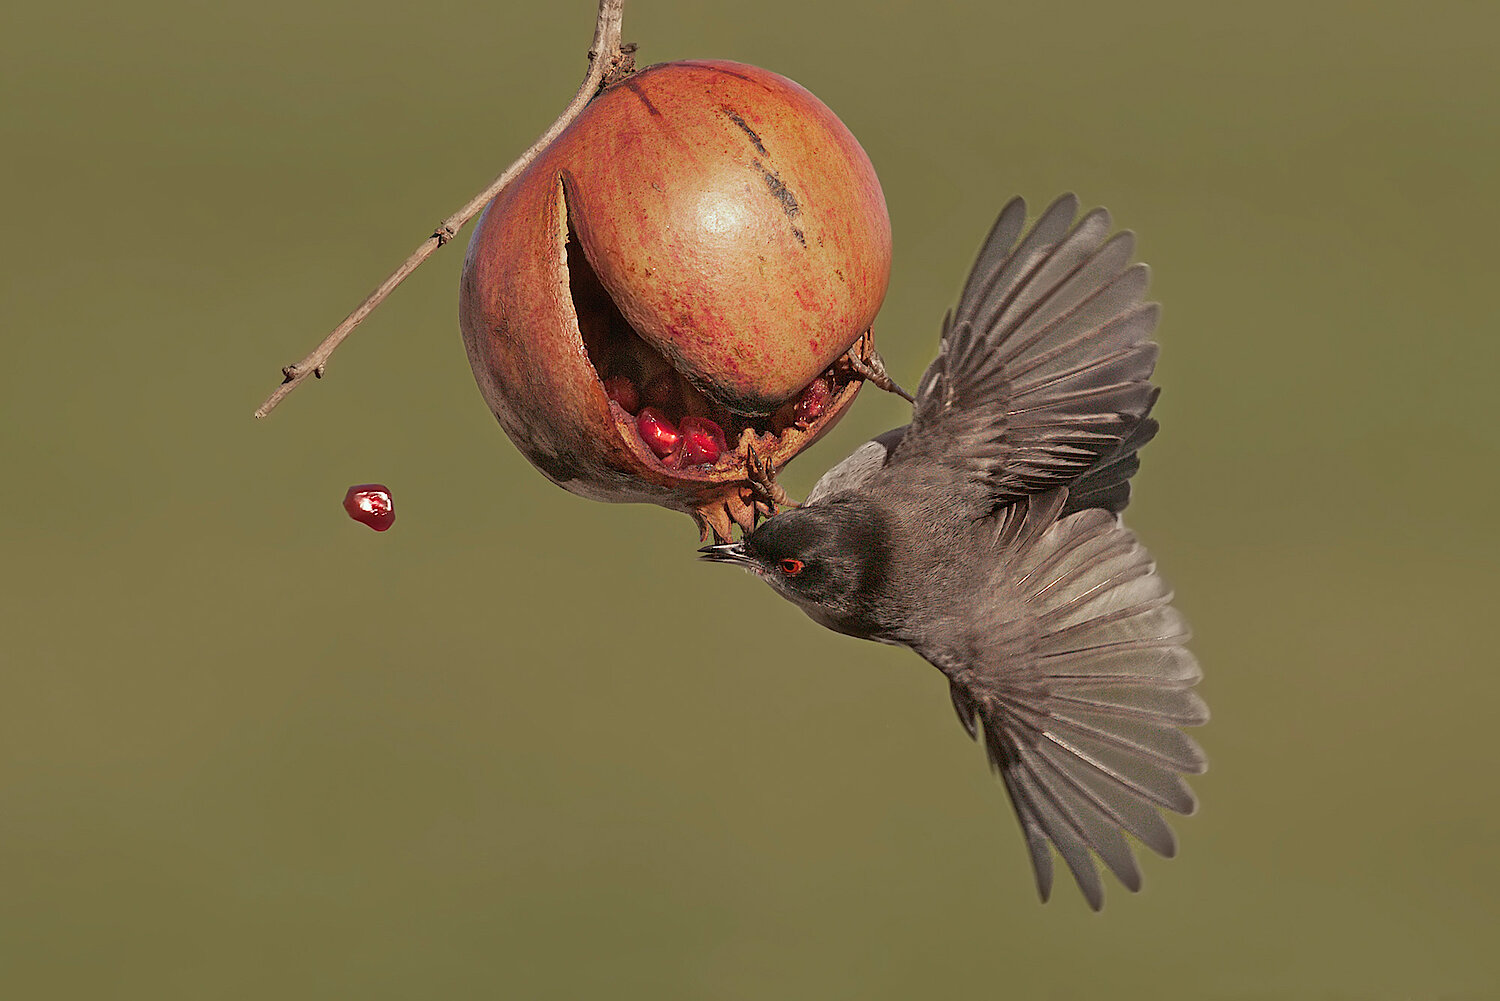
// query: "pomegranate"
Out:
[704,242]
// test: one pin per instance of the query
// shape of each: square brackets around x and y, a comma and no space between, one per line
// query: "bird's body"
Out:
[985,536]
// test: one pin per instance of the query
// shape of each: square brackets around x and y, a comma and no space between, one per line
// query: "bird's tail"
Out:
[1081,700]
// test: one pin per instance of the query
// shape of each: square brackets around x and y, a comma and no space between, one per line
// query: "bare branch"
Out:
[608,60]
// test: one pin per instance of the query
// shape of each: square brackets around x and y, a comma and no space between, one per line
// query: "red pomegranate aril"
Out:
[659,434]
[663,391]
[620,389]
[813,401]
[702,442]
[371,504]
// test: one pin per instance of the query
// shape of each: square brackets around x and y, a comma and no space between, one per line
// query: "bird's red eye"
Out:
[791,567]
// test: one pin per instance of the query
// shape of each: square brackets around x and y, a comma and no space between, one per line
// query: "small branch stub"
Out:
[609,61]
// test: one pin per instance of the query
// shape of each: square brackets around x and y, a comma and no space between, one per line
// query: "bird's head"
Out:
[828,557]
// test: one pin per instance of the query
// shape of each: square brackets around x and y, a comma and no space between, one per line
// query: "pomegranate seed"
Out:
[702,441]
[371,504]
[663,391]
[620,389]
[659,434]
[812,402]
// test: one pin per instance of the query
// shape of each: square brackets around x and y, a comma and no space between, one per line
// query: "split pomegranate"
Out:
[705,241]
[371,504]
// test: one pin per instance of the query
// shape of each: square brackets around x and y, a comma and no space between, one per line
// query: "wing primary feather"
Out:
[1059,264]
[1132,364]
[1022,262]
[1101,288]
[997,245]
[1119,393]
[1103,332]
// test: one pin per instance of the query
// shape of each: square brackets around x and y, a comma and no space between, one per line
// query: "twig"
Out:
[608,60]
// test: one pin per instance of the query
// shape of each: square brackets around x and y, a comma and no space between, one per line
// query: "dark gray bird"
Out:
[985,535]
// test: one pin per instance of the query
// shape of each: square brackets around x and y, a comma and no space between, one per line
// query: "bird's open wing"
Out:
[1081,697]
[1046,363]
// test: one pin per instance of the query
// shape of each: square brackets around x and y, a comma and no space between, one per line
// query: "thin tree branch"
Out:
[608,60]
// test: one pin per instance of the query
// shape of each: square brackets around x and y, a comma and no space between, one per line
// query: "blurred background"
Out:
[524,745]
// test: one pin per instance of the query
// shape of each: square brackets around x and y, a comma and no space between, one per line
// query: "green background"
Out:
[524,745]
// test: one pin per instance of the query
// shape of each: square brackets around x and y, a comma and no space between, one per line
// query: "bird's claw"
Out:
[768,495]
[872,370]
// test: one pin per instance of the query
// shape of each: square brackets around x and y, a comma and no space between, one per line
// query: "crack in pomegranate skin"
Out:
[660,414]
[636,378]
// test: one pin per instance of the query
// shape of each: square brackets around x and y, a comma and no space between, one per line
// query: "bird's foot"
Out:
[872,370]
[767,494]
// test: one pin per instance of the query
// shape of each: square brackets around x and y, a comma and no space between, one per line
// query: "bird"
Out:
[986,536]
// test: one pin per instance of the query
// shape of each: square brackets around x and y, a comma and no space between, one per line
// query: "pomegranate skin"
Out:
[734,220]
[724,223]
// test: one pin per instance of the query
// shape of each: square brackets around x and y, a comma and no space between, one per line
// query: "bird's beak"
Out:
[727,552]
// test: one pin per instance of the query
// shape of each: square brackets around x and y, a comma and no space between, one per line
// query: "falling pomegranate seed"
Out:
[371,504]
[702,441]
[620,389]
[813,401]
[659,434]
